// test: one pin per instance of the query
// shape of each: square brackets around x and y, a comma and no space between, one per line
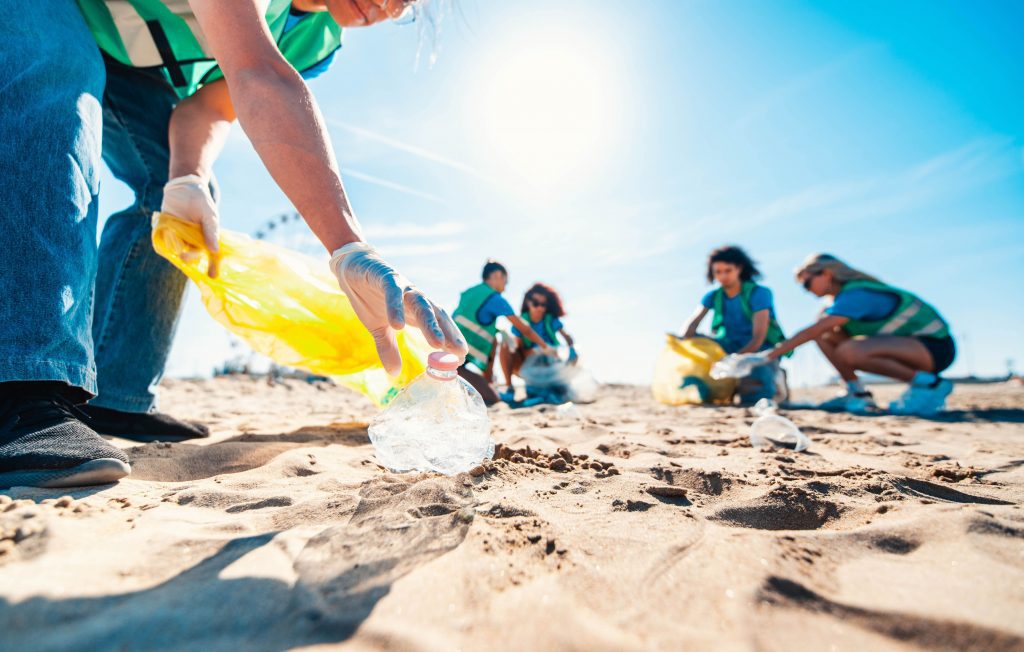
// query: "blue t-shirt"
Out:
[494,307]
[739,329]
[556,324]
[863,304]
[294,16]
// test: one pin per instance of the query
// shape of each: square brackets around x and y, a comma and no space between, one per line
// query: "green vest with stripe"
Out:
[546,328]
[774,335]
[479,337]
[164,35]
[911,318]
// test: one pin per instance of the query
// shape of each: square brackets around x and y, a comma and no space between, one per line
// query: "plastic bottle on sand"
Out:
[437,423]
[770,428]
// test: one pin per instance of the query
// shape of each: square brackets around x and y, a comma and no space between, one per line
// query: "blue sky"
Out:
[605,147]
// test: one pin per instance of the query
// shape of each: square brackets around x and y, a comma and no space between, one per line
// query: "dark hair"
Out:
[736,256]
[554,307]
[493,266]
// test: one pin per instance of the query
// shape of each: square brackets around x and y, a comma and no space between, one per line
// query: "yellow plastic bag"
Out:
[683,373]
[288,307]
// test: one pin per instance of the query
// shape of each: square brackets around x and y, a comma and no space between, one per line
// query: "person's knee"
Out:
[849,352]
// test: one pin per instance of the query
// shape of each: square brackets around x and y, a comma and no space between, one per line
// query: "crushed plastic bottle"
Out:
[737,365]
[770,428]
[437,423]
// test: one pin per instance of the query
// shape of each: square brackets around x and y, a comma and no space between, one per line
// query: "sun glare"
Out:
[544,105]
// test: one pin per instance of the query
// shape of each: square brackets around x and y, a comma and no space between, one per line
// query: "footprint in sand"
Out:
[397,526]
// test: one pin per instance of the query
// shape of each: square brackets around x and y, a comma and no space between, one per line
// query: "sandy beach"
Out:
[630,526]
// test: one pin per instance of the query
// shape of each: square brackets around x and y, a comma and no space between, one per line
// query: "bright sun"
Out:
[544,106]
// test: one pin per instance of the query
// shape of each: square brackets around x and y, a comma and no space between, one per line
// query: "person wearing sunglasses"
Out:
[152,87]
[477,317]
[874,327]
[542,311]
[744,317]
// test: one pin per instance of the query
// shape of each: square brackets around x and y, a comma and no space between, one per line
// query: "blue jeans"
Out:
[100,321]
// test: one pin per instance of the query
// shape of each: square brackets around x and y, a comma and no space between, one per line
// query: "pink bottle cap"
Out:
[444,361]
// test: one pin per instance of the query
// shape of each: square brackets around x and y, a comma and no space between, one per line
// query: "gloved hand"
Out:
[385,302]
[188,198]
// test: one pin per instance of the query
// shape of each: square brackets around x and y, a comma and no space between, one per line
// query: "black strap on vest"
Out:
[163,46]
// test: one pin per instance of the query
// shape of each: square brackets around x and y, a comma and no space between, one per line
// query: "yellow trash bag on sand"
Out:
[683,373]
[288,307]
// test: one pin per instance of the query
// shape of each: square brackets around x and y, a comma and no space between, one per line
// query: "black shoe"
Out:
[44,444]
[142,426]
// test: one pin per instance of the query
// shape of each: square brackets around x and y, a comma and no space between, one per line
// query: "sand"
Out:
[634,527]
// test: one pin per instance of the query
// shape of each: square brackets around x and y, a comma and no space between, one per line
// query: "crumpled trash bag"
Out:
[682,375]
[557,381]
[287,306]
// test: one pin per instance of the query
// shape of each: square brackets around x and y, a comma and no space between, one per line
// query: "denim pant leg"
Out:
[138,293]
[51,85]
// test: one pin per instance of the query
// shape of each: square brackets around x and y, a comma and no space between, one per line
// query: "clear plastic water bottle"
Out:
[770,428]
[437,423]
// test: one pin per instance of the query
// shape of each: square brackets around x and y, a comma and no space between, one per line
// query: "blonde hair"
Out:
[841,272]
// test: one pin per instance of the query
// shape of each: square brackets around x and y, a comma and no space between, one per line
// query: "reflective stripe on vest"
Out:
[464,322]
[911,317]
[479,338]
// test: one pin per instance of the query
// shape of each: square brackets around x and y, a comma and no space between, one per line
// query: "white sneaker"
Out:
[859,403]
[922,401]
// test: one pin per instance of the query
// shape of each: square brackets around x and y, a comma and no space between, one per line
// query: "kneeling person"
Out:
[477,316]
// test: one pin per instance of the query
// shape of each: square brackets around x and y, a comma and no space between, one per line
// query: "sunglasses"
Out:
[807,281]
[537,304]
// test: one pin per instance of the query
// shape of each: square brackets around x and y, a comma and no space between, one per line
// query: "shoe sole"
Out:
[102,471]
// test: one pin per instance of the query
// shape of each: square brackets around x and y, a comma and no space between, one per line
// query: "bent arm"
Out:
[280,116]
[812,332]
[199,127]
[527,331]
[760,331]
[691,326]
[568,338]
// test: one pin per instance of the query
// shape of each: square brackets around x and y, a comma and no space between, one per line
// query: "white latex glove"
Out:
[385,301]
[188,198]
[737,365]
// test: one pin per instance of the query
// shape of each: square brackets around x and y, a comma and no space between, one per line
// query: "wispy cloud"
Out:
[347,173]
[408,148]
[784,93]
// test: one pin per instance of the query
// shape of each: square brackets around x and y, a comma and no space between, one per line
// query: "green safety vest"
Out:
[546,326]
[164,35]
[912,316]
[479,337]
[774,335]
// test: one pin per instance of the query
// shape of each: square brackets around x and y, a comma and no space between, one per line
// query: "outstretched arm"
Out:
[812,332]
[280,116]
[528,332]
